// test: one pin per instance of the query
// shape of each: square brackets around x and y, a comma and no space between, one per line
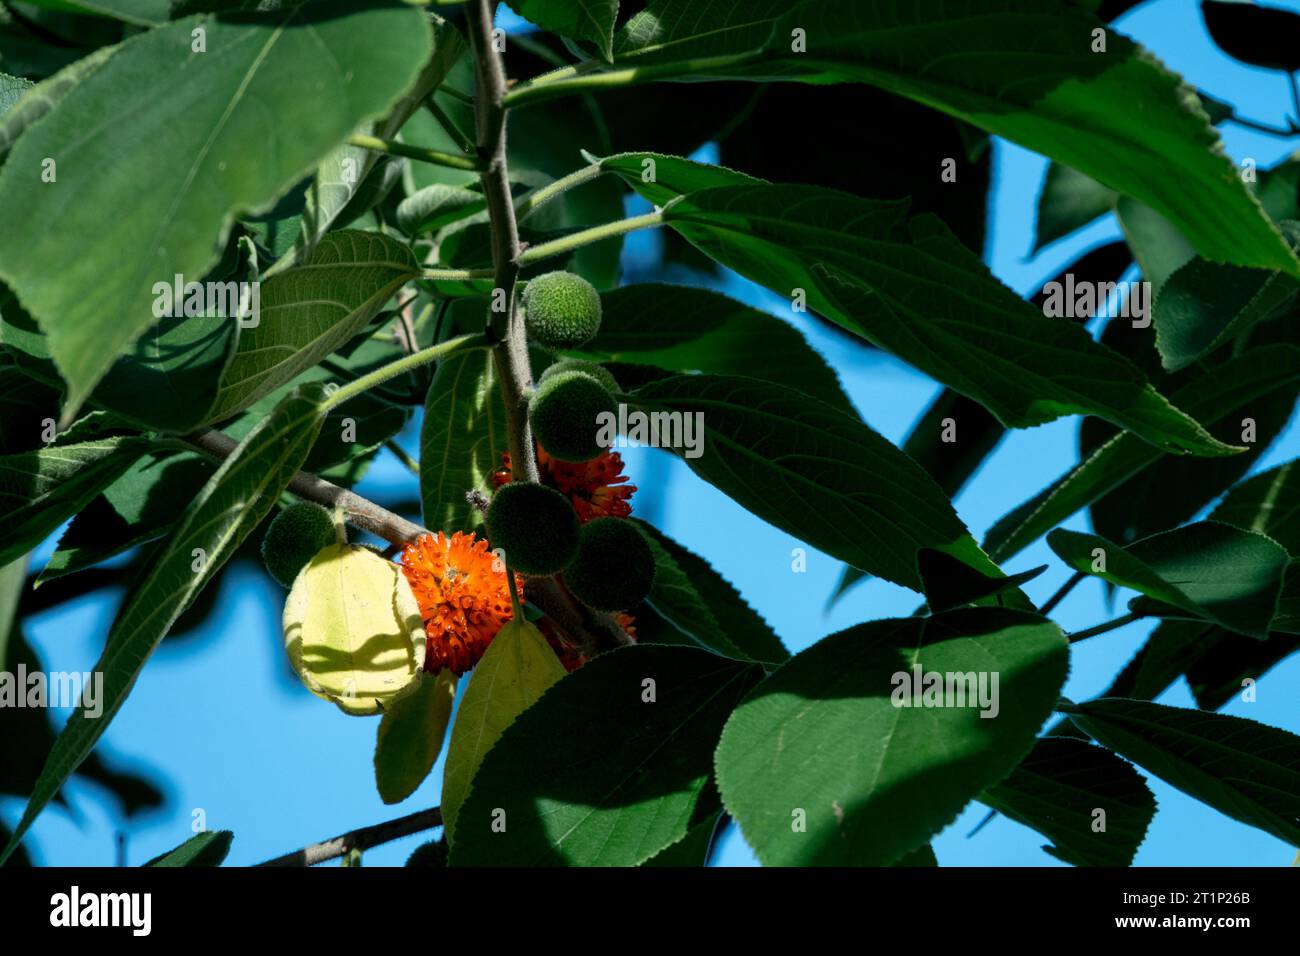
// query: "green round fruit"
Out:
[561,310]
[433,853]
[535,526]
[295,536]
[598,372]
[614,569]
[565,414]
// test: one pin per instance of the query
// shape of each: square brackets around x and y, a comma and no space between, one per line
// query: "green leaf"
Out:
[949,583]
[719,606]
[951,463]
[233,502]
[27,407]
[437,205]
[353,431]
[1069,201]
[921,856]
[1021,69]
[145,13]
[181,358]
[1173,648]
[833,743]
[1268,503]
[137,507]
[1244,769]
[591,20]
[1203,305]
[1157,244]
[1211,571]
[346,174]
[814,472]
[913,289]
[674,598]
[1210,397]
[611,766]
[173,207]
[1058,789]
[677,30]
[660,178]
[12,89]
[516,670]
[41,489]
[1228,663]
[13,575]
[410,737]
[692,849]
[208,848]
[461,440]
[1171,490]
[695,330]
[309,311]
[39,100]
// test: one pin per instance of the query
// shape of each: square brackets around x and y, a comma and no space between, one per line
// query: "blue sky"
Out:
[222,721]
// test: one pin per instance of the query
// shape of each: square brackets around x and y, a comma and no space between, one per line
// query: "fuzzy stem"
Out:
[393,369]
[433,156]
[575,80]
[510,354]
[545,194]
[586,237]
[456,275]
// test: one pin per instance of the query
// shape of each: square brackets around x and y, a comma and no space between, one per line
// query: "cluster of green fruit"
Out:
[562,311]
[606,563]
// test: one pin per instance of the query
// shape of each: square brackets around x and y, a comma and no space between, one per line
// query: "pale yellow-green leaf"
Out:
[410,737]
[516,670]
[352,629]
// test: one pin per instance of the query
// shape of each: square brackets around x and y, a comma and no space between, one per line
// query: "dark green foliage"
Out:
[339,159]
[614,569]
[294,537]
[535,526]
[561,310]
[565,414]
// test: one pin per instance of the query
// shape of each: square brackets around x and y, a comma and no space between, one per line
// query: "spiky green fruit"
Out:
[561,310]
[433,853]
[565,413]
[598,372]
[535,526]
[294,537]
[614,568]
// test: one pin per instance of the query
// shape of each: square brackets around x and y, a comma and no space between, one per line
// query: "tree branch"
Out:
[362,839]
[359,512]
[596,631]
[510,354]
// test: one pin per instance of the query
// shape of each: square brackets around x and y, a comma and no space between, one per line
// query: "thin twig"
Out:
[362,839]
[1103,628]
[1059,596]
